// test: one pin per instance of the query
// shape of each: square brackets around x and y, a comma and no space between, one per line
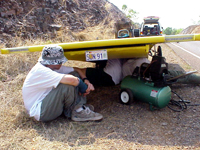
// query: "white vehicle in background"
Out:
[150,27]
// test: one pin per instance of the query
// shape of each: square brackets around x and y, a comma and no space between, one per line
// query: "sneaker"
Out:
[91,107]
[85,114]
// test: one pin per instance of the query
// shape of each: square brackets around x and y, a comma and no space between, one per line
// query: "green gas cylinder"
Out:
[136,88]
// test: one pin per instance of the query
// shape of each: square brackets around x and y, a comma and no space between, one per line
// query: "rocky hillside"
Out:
[193,29]
[58,19]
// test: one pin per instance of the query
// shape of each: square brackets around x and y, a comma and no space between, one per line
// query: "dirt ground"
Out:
[126,127]
[137,123]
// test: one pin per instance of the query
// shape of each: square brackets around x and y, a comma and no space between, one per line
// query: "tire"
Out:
[136,32]
[126,96]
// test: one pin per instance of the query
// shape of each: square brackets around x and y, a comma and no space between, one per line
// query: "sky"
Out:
[172,13]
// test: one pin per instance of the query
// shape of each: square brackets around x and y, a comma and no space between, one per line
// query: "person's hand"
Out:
[90,85]
[89,89]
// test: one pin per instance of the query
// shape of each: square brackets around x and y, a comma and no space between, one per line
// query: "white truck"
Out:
[150,27]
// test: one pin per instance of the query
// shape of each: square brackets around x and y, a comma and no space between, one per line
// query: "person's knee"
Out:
[69,93]
[74,73]
[66,88]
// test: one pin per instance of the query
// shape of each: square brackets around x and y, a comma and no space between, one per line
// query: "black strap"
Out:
[84,79]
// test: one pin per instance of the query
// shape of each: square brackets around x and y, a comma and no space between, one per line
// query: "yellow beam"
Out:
[97,44]
[116,48]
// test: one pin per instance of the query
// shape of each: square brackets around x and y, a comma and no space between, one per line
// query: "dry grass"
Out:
[18,131]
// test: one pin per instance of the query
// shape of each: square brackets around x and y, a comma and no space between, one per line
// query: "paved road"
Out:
[189,51]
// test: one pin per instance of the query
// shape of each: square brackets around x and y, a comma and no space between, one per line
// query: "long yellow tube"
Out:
[97,44]
[134,47]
